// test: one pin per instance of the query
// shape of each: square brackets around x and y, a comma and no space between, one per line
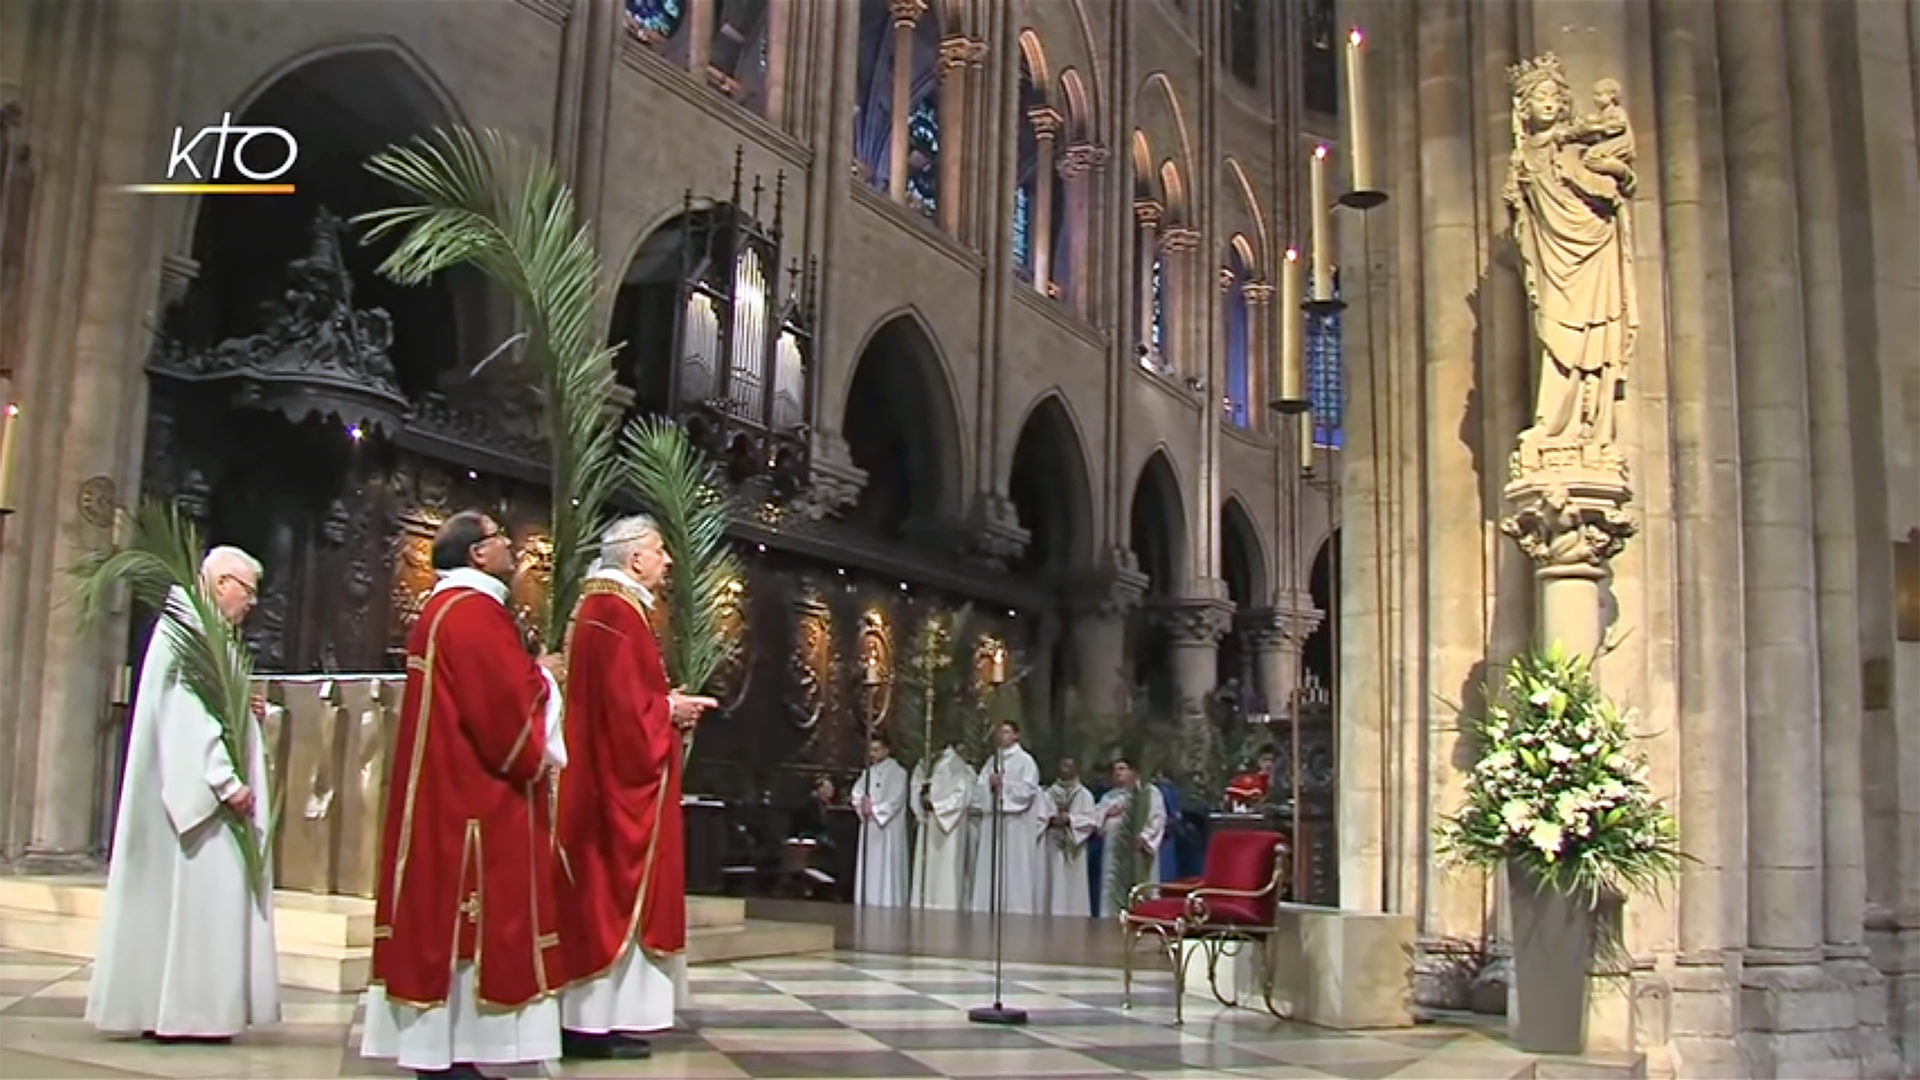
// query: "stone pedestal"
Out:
[1343,969]
[1569,515]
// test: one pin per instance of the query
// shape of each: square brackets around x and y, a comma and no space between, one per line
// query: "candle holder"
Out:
[1363,199]
[1333,305]
[1288,406]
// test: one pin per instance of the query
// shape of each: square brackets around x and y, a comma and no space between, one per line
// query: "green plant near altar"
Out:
[160,563]
[1557,791]
[489,201]
[681,490]
[936,691]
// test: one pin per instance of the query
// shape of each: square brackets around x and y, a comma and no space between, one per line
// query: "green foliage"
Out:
[681,489]
[160,562]
[1556,791]
[489,201]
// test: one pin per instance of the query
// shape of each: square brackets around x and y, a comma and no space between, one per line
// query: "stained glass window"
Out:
[1023,232]
[1235,403]
[657,19]
[923,154]
[1159,308]
[1325,390]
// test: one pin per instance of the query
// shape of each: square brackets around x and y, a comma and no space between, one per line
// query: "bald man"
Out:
[186,950]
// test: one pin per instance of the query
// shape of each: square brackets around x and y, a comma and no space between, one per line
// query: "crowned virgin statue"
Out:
[1569,190]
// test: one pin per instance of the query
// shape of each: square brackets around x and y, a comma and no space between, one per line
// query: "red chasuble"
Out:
[622,840]
[466,854]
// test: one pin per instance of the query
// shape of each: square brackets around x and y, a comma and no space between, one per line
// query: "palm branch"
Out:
[681,489]
[489,201]
[1129,863]
[160,561]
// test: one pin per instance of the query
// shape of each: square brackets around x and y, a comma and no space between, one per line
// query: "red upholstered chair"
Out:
[1228,910]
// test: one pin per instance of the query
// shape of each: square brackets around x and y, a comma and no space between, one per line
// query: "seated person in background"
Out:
[809,822]
[1247,792]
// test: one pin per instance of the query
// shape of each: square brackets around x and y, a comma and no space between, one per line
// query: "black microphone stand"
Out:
[996,1013]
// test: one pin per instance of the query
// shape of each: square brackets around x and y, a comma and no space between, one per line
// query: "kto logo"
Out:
[262,155]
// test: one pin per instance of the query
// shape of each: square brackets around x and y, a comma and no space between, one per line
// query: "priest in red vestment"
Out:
[466,852]
[622,874]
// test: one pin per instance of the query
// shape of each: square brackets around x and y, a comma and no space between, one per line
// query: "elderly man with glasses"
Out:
[466,857]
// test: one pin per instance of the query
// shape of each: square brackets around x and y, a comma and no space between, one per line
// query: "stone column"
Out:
[1100,611]
[1177,294]
[1075,165]
[1046,128]
[1782,665]
[1194,629]
[700,38]
[779,33]
[955,55]
[1277,635]
[1706,498]
[1146,216]
[905,13]
[588,153]
[1260,348]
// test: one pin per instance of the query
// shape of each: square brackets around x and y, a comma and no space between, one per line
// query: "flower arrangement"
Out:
[1556,791]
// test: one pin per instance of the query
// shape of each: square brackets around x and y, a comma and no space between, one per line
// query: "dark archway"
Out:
[902,427]
[1324,583]
[1244,570]
[1051,492]
[1158,537]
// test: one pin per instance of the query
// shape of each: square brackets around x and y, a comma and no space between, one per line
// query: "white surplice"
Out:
[1112,813]
[1021,820]
[939,870]
[881,874]
[185,947]
[639,993]
[1063,848]
[459,1029]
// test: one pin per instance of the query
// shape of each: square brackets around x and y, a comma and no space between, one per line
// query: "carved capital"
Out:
[1569,518]
[1282,627]
[1197,622]
[1227,278]
[1179,241]
[1257,293]
[1081,159]
[955,53]
[837,481]
[177,274]
[1113,591]
[906,12]
[994,532]
[1046,121]
[1146,212]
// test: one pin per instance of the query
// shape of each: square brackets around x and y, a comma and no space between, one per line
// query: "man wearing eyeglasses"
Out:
[466,848]
[186,953]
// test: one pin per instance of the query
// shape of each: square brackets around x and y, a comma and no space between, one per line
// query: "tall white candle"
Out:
[1322,211]
[1362,175]
[1293,376]
[9,426]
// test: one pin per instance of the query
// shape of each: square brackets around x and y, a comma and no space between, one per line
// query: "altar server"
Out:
[467,831]
[622,887]
[940,803]
[186,949]
[1134,854]
[1063,847]
[880,798]
[1008,793]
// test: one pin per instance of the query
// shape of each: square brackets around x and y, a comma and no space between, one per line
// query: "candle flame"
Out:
[1320,151]
[12,410]
[1293,255]
[1355,37]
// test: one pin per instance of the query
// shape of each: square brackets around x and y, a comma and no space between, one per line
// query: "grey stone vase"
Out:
[1552,947]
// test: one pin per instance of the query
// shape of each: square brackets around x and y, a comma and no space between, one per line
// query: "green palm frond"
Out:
[489,201]
[160,561]
[681,489]
[1131,866]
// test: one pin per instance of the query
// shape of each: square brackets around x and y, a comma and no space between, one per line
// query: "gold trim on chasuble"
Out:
[423,717]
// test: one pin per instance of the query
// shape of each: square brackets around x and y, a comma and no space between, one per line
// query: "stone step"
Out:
[757,939]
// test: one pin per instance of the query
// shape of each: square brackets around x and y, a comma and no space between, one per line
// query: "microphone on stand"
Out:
[997,1013]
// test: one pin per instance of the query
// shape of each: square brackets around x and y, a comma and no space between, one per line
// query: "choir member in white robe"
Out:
[880,798]
[186,949]
[1063,847]
[1020,822]
[940,804]
[1112,813]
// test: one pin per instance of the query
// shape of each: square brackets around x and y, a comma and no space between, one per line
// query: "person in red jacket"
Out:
[622,873]
[466,848]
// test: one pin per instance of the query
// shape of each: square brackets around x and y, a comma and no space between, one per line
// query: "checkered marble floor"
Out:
[851,1015]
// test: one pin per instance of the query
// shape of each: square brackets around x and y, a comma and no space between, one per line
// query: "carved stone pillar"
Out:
[1277,635]
[1075,166]
[1100,610]
[956,54]
[1259,297]
[905,13]
[1194,630]
[1146,216]
[1176,283]
[1046,128]
[1570,520]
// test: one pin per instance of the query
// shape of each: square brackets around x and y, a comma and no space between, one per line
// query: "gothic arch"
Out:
[1173,192]
[1051,486]
[902,426]
[1081,123]
[1036,56]
[1159,107]
[1262,236]
[1158,525]
[1242,555]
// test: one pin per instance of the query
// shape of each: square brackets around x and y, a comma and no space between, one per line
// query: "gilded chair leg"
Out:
[1129,939]
[1178,960]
